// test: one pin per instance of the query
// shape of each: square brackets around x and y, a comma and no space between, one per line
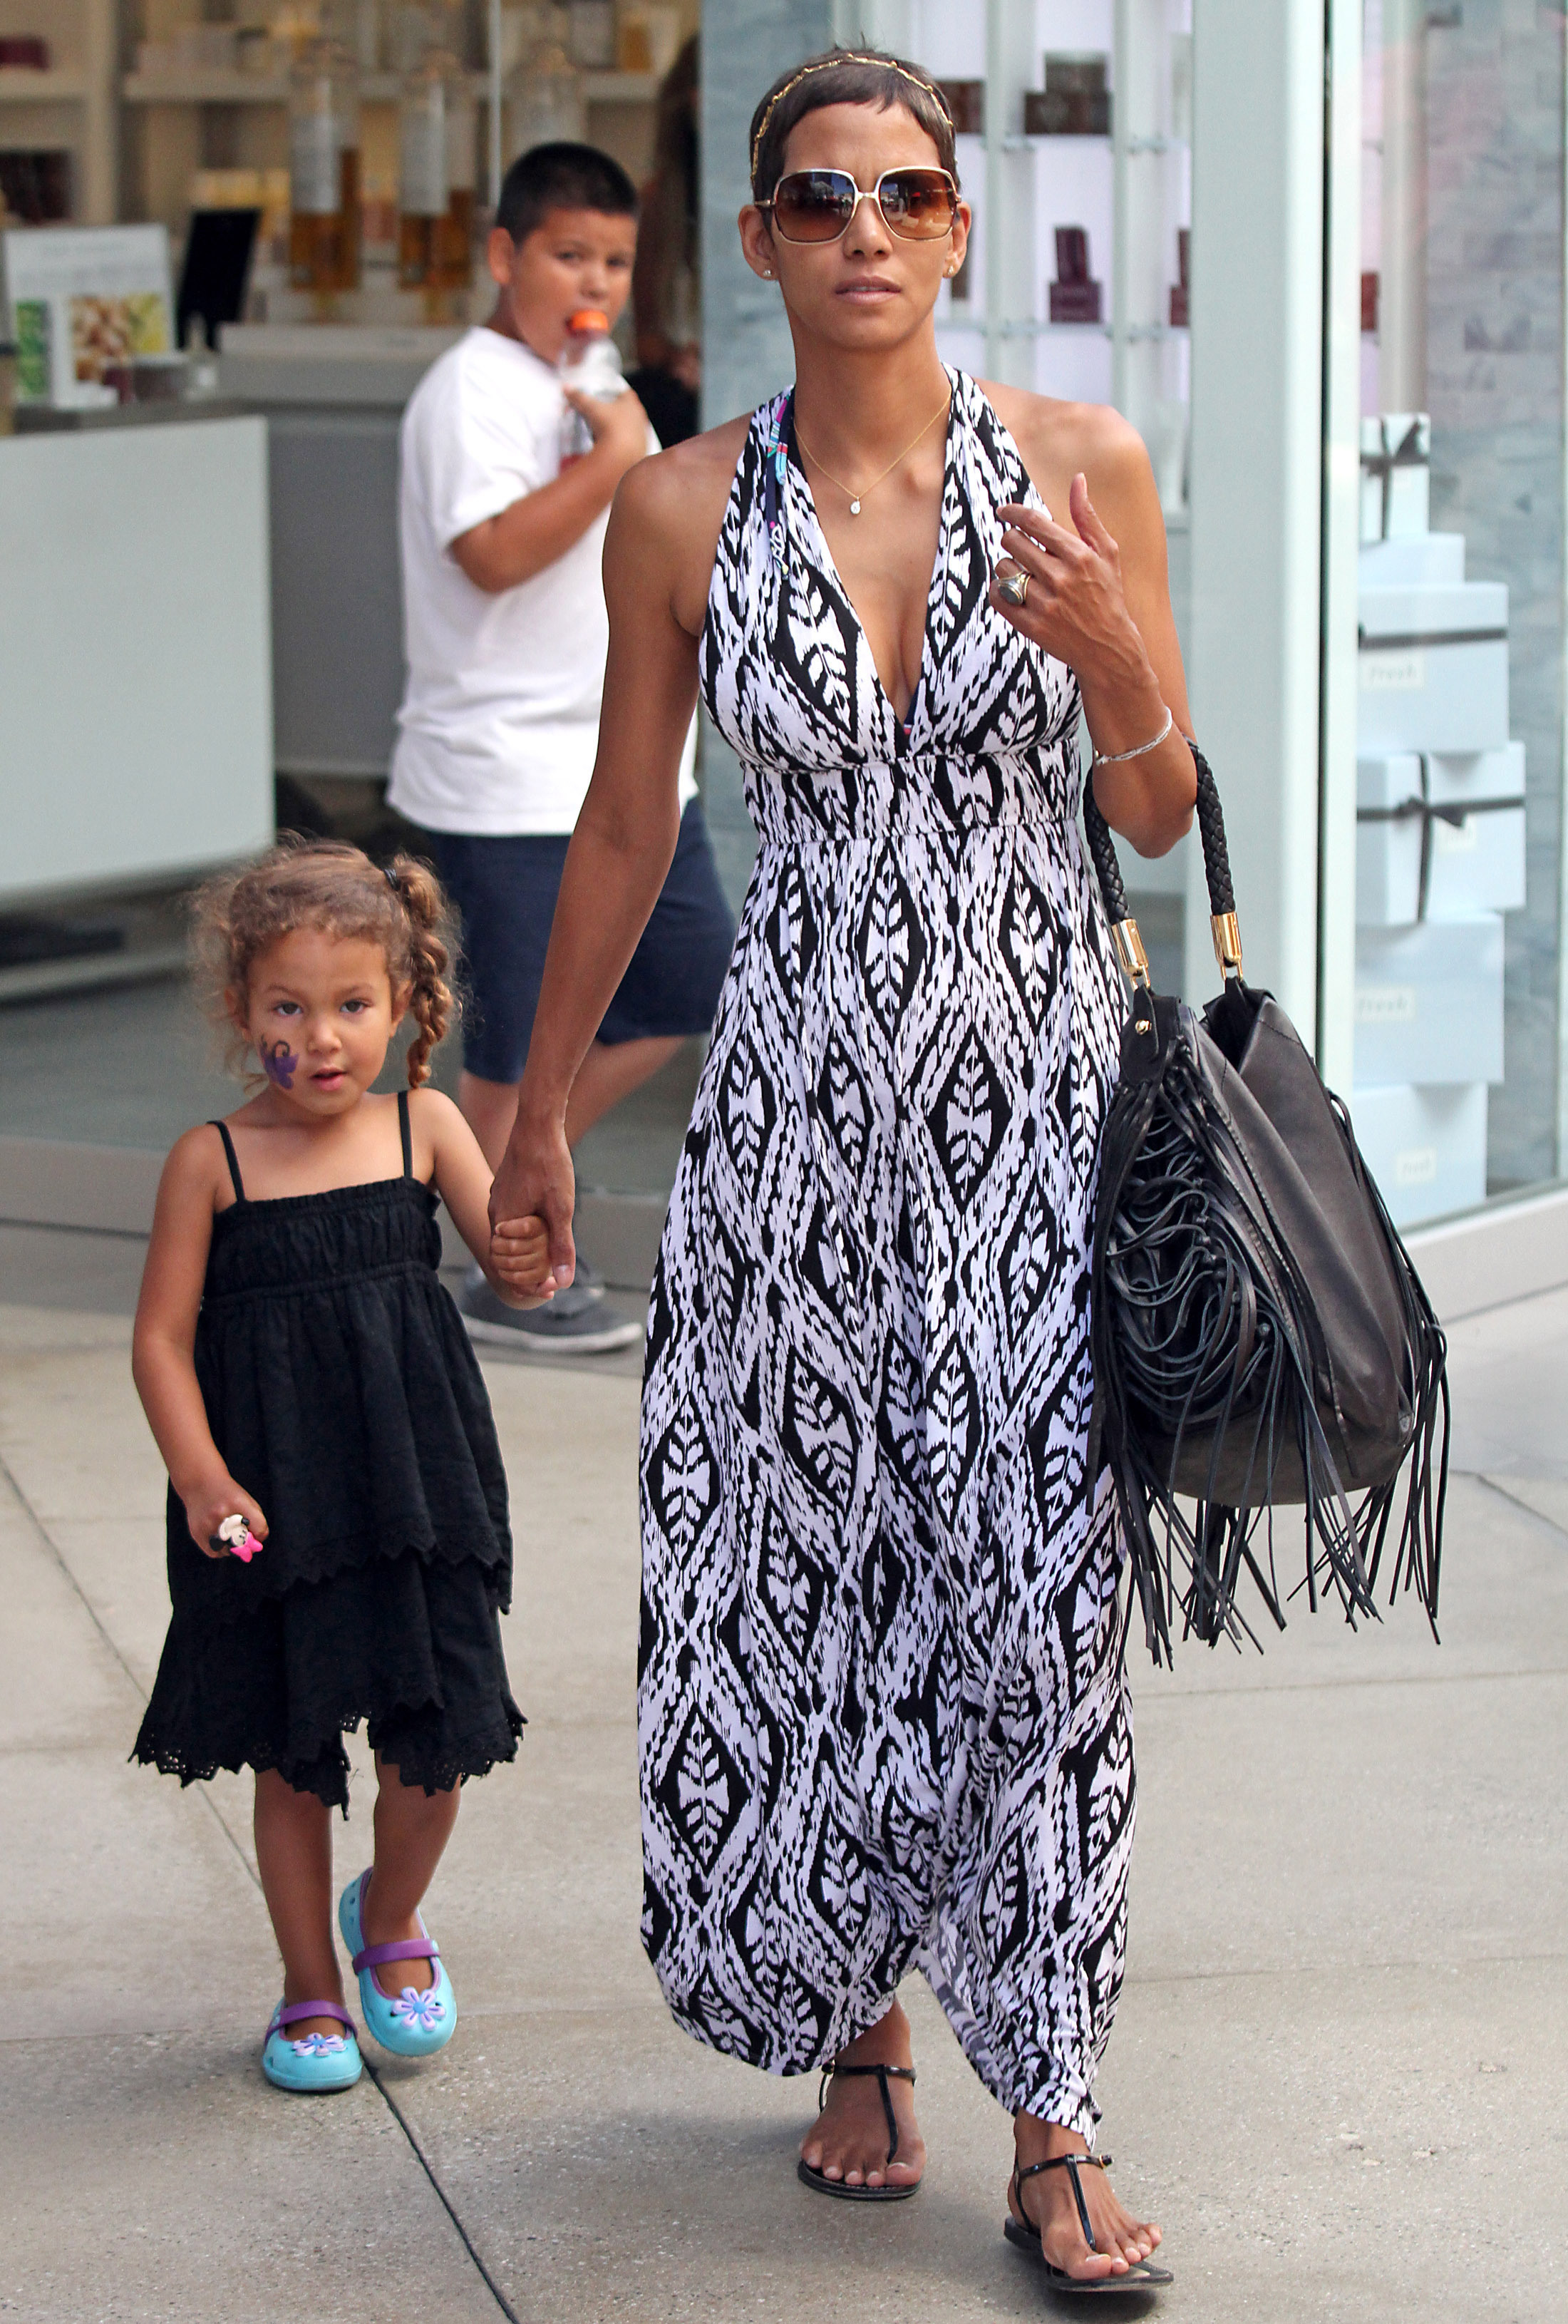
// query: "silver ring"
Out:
[1015,587]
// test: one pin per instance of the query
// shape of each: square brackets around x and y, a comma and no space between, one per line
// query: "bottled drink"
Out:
[544,91]
[589,362]
[324,169]
[436,157]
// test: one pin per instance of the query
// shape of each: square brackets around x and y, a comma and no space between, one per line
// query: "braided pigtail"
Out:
[428,958]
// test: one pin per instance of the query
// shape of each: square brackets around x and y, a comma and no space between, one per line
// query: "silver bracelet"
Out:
[1119,758]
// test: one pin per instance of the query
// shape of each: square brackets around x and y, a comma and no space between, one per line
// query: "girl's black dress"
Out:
[342,1391]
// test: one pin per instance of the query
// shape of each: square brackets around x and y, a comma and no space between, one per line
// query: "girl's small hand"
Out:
[536,1180]
[210,1502]
[520,1261]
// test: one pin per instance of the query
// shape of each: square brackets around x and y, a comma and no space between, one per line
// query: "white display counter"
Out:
[135,678]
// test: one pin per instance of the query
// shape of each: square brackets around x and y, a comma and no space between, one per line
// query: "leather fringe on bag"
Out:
[1261,1340]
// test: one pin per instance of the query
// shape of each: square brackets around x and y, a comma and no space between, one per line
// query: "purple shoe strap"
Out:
[411,1948]
[289,2016]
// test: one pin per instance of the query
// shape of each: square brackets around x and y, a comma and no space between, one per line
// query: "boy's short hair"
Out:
[562,177]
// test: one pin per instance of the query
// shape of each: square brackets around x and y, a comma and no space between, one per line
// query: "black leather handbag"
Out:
[1261,1340]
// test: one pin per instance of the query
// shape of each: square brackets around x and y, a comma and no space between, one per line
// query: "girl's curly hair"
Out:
[326,884]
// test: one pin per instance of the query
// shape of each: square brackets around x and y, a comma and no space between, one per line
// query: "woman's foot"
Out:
[1121,2241]
[848,2141]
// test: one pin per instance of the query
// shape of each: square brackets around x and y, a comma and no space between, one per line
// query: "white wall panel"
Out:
[134,652]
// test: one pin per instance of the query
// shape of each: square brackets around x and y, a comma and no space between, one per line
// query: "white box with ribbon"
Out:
[1425,1145]
[1429,1003]
[1399,564]
[1396,475]
[1439,837]
[1434,668]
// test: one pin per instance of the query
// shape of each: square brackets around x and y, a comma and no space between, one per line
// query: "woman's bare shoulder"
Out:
[678,490]
[669,510]
[1058,439]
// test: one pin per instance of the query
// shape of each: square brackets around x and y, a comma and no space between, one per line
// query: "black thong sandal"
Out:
[1142,2276]
[819,2179]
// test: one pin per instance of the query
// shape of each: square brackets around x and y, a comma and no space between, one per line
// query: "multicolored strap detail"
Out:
[775,469]
[291,2015]
[411,1949]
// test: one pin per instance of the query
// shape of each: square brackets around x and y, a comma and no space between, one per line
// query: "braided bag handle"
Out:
[1216,859]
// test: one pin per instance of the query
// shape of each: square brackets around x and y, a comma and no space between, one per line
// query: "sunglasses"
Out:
[818,205]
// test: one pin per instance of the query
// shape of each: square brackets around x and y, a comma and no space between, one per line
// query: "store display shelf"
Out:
[1131,334]
[1035,141]
[24,85]
[273,88]
[251,89]
[620,89]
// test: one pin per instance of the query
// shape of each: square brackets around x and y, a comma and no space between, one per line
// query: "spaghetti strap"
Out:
[234,1166]
[405,1134]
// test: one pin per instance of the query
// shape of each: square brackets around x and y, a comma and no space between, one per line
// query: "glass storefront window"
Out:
[1460,735]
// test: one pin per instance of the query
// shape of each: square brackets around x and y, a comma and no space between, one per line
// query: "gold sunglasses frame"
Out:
[865,194]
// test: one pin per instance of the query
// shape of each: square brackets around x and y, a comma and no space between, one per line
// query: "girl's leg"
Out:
[294,1855]
[412,1827]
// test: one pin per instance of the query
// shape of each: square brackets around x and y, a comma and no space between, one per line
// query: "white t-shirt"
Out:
[500,719]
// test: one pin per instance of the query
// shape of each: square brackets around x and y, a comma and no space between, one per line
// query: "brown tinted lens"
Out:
[918,204]
[814,204]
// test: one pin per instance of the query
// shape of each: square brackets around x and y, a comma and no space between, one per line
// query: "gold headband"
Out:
[826,64]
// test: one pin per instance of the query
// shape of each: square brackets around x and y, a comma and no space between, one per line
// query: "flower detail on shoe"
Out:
[419,2011]
[319,2045]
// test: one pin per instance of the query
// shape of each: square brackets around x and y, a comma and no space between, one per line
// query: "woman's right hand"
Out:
[536,1179]
[207,1504]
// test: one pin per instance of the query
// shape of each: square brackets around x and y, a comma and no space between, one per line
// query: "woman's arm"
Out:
[1099,599]
[623,842]
[516,1264]
[164,1341]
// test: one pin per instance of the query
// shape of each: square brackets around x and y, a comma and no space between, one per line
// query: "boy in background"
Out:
[506,634]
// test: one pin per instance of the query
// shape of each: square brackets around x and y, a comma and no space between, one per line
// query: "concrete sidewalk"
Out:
[1336,2076]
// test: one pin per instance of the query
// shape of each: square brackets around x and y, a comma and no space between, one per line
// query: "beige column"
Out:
[1402,286]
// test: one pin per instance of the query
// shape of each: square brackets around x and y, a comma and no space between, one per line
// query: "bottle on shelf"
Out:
[323,167]
[370,35]
[436,168]
[544,90]
[590,362]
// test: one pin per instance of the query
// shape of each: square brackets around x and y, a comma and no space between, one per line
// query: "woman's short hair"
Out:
[845,77]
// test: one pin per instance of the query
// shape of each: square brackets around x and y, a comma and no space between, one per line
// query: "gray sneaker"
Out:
[578,1320]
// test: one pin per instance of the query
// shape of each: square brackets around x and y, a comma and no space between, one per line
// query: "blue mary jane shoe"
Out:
[320,2062]
[410,2023]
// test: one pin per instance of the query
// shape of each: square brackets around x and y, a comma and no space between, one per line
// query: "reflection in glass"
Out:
[1460,727]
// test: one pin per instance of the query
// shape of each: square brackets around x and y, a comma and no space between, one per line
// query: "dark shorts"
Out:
[505,890]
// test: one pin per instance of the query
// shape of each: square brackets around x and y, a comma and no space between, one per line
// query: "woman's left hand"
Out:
[1075,607]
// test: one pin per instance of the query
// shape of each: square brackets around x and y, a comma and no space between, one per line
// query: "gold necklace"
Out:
[856,498]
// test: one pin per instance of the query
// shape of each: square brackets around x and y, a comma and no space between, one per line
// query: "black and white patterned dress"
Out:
[882,1718]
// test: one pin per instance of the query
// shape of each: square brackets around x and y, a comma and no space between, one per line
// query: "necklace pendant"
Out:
[855,508]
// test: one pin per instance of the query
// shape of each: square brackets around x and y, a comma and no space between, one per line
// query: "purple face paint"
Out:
[278,1062]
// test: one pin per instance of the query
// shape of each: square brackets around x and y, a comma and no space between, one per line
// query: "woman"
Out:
[883,1720]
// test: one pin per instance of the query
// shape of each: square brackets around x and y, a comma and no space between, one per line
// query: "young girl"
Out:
[338,1547]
